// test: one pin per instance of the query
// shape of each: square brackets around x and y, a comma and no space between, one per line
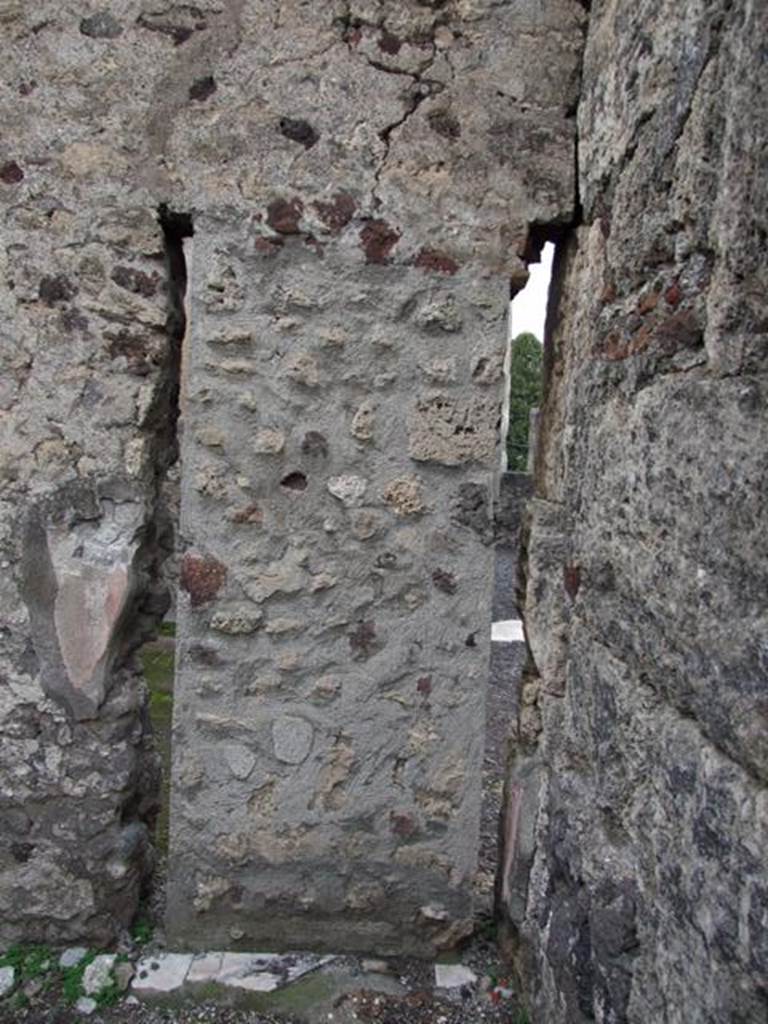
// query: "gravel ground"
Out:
[414,1008]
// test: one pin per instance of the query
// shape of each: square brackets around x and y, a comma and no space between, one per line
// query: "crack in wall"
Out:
[421,88]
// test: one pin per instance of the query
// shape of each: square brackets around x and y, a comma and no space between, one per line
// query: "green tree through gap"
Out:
[524,395]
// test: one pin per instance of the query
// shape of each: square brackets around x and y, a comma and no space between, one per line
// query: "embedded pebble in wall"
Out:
[405,496]
[237,620]
[363,422]
[269,442]
[240,759]
[350,490]
[101,25]
[292,739]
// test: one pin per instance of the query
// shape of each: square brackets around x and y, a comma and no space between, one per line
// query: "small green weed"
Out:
[19,1001]
[72,983]
[28,962]
[167,629]
[72,979]
[521,1016]
[109,995]
[141,932]
[39,963]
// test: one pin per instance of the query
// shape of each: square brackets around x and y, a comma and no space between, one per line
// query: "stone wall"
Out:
[344,373]
[637,815]
[361,178]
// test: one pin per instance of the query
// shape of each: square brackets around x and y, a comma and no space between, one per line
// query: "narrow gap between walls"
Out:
[157,655]
[526,313]
[524,369]
[527,318]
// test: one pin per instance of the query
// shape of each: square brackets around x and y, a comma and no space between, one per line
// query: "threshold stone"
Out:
[250,972]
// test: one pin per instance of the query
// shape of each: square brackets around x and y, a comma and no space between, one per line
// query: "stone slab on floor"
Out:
[161,974]
[176,973]
[255,972]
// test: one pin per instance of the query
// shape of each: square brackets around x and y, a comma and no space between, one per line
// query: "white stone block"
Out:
[205,967]
[453,976]
[165,972]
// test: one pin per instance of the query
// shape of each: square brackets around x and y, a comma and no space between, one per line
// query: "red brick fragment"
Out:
[338,212]
[202,577]
[283,215]
[250,514]
[378,239]
[433,259]
[673,295]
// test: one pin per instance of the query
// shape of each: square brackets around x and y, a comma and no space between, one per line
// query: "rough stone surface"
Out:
[85,370]
[637,821]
